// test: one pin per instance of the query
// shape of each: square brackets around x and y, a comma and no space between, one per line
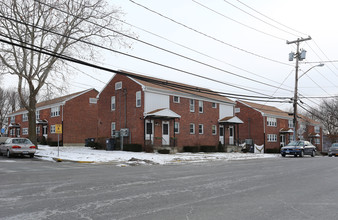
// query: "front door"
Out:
[231,135]
[165,133]
[282,140]
[221,134]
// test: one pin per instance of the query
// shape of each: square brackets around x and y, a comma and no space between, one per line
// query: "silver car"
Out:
[333,151]
[17,146]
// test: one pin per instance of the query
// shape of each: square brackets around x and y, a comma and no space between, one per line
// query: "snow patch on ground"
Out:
[125,158]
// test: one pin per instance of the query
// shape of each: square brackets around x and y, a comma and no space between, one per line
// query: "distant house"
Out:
[273,128]
[77,113]
[161,113]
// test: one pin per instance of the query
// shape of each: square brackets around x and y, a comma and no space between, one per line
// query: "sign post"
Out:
[58,130]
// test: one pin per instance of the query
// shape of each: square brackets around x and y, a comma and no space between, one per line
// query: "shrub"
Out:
[207,148]
[132,147]
[53,143]
[220,147]
[192,149]
[163,151]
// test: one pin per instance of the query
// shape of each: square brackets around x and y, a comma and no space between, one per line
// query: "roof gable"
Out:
[266,110]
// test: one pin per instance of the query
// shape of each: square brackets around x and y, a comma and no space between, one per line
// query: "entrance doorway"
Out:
[231,135]
[165,133]
[221,134]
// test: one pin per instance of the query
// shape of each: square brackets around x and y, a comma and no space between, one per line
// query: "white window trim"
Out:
[200,106]
[272,138]
[118,85]
[212,130]
[37,114]
[192,105]
[25,117]
[113,128]
[55,111]
[271,122]
[178,99]
[200,129]
[193,128]
[317,129]
[138,98]
[214,105]
[178,127]
[24,131]
[112,103]
[52,129]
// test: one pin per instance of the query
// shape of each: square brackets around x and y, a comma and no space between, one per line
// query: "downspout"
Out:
[62,126]
[264,135]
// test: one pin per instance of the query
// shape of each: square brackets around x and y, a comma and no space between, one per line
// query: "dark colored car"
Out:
[300,148]
[333,151]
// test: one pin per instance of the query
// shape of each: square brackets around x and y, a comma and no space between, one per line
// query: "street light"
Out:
[295,99]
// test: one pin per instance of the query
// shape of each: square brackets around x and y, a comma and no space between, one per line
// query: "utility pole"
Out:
[299,56]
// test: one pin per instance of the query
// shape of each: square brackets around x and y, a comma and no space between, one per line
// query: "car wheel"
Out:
[301,154]
[8,154]
[283,155]
[330,155]
[313,153]
[295,155]
[31,155]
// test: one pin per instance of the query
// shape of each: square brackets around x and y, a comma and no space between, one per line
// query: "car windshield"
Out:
[21,141]
[296,143]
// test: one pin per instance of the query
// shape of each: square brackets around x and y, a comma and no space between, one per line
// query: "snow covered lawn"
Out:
[124,158]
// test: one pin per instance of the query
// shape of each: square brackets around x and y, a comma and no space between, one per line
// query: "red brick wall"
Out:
[79,119]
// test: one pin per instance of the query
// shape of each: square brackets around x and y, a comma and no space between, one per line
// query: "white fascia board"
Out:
[98,95]
[135,80]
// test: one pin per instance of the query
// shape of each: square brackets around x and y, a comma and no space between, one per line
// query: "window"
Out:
[290,123]
[214,105]
[37,114]
[118,85]
[12,132]
[176,99]
[192,105]
[92,100]
[25,117]
[13,119]
[177,128]
[24,131]
[55,111]
[317,140]
[317,129]
[200,128]
[200,106]
[113,105]
[237,110]
[291,137]
[113,128]
[192,128]
[272,138]
[138,99]
[38,130]
[271,122]
[149,128]
[52,129]
[18,132]
[214,129]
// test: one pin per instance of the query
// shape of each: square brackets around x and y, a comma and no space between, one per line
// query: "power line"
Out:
[245,25]
[209,36]
[145,60]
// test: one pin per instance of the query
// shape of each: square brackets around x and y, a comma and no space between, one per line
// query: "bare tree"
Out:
[327,114]
[60,27]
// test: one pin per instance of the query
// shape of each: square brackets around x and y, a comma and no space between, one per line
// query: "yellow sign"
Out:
[58,128]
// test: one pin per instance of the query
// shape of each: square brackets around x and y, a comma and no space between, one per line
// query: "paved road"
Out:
[281,188]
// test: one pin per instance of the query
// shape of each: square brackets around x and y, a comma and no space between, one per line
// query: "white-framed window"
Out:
[317,140]
[25,117]
[317,129]
[200,106]
[237,110]
[271,122]
[272,137]
[113,128]
[118,85]
[37,114]
[176,99]
[192,128]
[290,123]
[113,103]
[38,130]
[138,99]
[214,129]
[92,100]
[55,111]
[24,131]
[177,127]
[200,129]
[12,119]
[192,105]
[12,132]
[52,129]
[214,105]
[18,132]
[291,137]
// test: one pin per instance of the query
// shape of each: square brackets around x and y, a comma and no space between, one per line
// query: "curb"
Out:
[74,161]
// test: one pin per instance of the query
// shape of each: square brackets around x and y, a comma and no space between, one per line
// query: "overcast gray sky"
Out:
[230,37]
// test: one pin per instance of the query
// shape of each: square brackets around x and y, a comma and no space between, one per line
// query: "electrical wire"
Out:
[209,36]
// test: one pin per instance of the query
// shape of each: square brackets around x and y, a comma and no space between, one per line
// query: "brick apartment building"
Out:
[273,128]
[77,113]
[163,113]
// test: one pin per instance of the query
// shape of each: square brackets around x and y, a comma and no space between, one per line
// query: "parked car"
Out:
[17,146]
[333,150]
[300,148]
